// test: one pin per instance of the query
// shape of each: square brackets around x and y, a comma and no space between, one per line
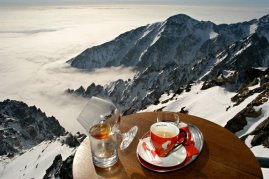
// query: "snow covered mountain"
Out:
[180,39]
[30,141]
[173,53]
[149,84]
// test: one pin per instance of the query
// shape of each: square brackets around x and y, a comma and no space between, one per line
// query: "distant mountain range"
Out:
[170,54]
[180,39]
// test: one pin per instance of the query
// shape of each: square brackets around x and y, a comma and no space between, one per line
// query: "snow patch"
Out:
[248,140]
[242,49]
[252,124]
[260,151]
[261,68]
[265,172]
[252,28]
[166,96]
[213,34]
[255,86]
[34,162]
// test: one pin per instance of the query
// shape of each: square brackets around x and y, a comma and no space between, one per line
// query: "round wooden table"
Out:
[223,155]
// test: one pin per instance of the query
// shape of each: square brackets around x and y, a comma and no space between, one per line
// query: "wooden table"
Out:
[223,155]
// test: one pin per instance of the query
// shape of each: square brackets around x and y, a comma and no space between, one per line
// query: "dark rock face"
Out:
[183,110]
[244,91]
[239,121]
[239,58]
[23,127]
[72,140]
[56,165]
[63,169]
[60,169]
[261,134]
[66,169]
[220,80]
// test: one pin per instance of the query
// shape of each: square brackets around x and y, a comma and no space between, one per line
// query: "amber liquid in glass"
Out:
[100,131]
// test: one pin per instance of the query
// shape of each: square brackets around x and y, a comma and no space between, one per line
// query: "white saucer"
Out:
[171,160]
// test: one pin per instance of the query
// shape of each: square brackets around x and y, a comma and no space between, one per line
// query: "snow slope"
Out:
[210,104]
[34,162]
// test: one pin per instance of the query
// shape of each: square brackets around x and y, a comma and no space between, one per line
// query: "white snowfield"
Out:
[34,162]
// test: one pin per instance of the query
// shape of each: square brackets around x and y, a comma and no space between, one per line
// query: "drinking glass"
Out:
[101,119]
[168,117]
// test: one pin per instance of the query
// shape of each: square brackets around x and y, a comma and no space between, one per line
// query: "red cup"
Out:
[165,137]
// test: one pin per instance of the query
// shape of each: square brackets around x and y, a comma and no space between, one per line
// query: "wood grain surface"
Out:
[223,155]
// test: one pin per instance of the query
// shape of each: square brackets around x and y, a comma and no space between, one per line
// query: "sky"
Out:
[232,3]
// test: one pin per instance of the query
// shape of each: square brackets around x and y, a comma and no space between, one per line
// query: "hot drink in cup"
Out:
[165,137]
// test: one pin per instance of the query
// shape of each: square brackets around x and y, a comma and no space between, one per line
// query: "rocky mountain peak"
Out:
[180,18]
[22,127]
[264,19]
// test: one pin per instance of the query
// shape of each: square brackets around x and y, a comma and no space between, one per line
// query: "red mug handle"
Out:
[184,140]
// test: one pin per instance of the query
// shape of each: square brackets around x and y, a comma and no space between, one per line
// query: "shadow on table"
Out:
[138,176]
[195,169]
[116,171]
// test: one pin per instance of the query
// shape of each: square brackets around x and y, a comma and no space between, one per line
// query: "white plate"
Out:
[171,160]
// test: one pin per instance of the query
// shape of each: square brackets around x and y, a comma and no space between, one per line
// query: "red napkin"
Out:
[191,149]
[190,146]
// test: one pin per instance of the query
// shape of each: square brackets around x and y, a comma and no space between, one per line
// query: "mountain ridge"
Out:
[166,41]
[148,85]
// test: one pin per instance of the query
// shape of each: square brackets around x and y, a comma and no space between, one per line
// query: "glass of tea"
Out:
[101,119]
